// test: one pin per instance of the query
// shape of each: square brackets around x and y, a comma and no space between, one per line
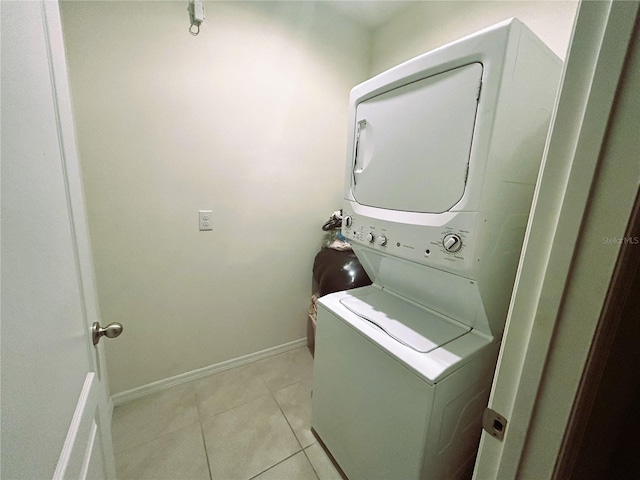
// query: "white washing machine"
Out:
[443,156]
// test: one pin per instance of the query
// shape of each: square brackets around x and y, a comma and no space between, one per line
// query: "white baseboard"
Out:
[129,395]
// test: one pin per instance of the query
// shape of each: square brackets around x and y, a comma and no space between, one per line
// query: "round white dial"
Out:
[381,240]
[370,237]
[347,221]
[452,242]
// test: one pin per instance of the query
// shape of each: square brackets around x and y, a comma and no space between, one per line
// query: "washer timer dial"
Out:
[452,242]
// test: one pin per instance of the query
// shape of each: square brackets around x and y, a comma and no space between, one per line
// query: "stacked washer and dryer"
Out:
[443,156]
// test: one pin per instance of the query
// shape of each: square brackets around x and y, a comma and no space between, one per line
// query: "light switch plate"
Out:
[205,220]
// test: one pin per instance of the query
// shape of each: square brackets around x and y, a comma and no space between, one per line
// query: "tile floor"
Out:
[249,422]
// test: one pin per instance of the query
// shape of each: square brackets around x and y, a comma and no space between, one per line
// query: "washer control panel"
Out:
[448,246]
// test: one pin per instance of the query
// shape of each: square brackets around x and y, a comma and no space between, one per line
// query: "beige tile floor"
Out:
[249,422]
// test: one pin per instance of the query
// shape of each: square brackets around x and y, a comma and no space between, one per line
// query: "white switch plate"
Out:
[205,220]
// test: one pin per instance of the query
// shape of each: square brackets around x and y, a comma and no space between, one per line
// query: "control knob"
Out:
[452,242]
[370,237]
[347,220]
[381,241]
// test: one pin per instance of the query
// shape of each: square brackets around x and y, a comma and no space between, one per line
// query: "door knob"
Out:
[111,331]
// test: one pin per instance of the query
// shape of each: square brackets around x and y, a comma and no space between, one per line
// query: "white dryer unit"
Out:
[443,156]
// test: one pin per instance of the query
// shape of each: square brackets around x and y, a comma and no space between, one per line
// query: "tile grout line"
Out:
[255,363]
[310,462]
[203,418]
[204,440]
[199,417]
[128,396]
[273,395]
[206,451]
[158,436]
[275,465]
[302,448]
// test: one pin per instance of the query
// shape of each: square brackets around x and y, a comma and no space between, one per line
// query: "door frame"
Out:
[566,267]
[595,445]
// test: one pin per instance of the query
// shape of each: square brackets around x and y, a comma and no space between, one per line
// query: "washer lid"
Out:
[412,325]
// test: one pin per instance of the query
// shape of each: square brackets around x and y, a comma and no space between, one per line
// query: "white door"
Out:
[55,412]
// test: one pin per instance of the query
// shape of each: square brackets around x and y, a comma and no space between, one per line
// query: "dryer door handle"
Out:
[361,131]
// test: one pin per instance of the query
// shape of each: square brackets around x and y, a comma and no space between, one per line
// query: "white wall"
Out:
[430,24]
[249,120]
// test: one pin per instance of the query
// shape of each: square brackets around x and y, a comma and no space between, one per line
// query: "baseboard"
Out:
[129,395]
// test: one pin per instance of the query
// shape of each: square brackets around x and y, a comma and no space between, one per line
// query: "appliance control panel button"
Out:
[370,237]
[381,240]
[348,221]
[452,242]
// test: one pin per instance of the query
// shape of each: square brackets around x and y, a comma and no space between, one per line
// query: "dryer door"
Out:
[413,143]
